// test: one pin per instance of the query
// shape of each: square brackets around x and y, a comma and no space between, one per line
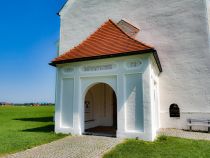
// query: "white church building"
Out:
[129,68]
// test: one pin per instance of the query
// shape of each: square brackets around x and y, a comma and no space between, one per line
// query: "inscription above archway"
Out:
[94,68]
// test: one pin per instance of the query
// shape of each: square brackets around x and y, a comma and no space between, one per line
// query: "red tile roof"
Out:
[108,41]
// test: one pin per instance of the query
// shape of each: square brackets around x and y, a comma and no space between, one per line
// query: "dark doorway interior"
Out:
[108,131]
[114,111]
[103,104]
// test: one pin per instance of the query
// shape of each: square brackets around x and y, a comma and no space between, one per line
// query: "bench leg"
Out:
[208,127]
[190,123]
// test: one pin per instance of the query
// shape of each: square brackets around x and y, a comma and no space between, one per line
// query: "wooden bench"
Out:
[198,122]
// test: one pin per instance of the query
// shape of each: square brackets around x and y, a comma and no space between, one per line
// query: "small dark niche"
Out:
[174,110]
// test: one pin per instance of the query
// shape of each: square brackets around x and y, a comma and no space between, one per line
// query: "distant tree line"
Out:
[5,103]
[26,104]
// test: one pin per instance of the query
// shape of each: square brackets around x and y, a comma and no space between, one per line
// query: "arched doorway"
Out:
[100,110]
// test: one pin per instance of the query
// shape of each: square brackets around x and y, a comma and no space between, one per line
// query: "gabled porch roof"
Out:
[107,41]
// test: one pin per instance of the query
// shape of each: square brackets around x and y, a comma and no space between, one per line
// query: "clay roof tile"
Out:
[108,40]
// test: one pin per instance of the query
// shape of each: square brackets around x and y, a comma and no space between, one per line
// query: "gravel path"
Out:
[92,146]
[185,134]
[71,147]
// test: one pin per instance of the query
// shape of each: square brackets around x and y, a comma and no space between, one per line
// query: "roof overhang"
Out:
[153,51]
[107,41]
[68,2]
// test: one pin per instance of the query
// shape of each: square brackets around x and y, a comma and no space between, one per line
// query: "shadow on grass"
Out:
[47,129]
[36,119]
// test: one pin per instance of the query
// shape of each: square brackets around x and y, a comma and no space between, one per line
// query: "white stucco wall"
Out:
[179,32]
[129,77]
[208,11]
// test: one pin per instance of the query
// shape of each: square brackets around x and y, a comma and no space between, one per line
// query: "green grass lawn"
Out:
[164,147]
[25,127]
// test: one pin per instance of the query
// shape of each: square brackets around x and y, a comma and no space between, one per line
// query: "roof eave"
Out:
[58,13]
[155,54]
[153,51]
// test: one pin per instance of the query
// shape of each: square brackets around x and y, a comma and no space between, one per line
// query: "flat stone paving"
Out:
[71,147]
[92,146]
[185,134]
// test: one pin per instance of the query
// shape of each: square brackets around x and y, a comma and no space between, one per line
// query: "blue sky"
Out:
[29,30]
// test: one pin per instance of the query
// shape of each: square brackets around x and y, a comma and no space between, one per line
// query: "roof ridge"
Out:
[130,36]
[86,38]
[75,47]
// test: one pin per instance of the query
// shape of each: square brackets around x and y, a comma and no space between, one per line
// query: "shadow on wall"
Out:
[36,119]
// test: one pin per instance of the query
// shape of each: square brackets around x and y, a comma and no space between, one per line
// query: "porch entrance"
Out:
[100,108]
